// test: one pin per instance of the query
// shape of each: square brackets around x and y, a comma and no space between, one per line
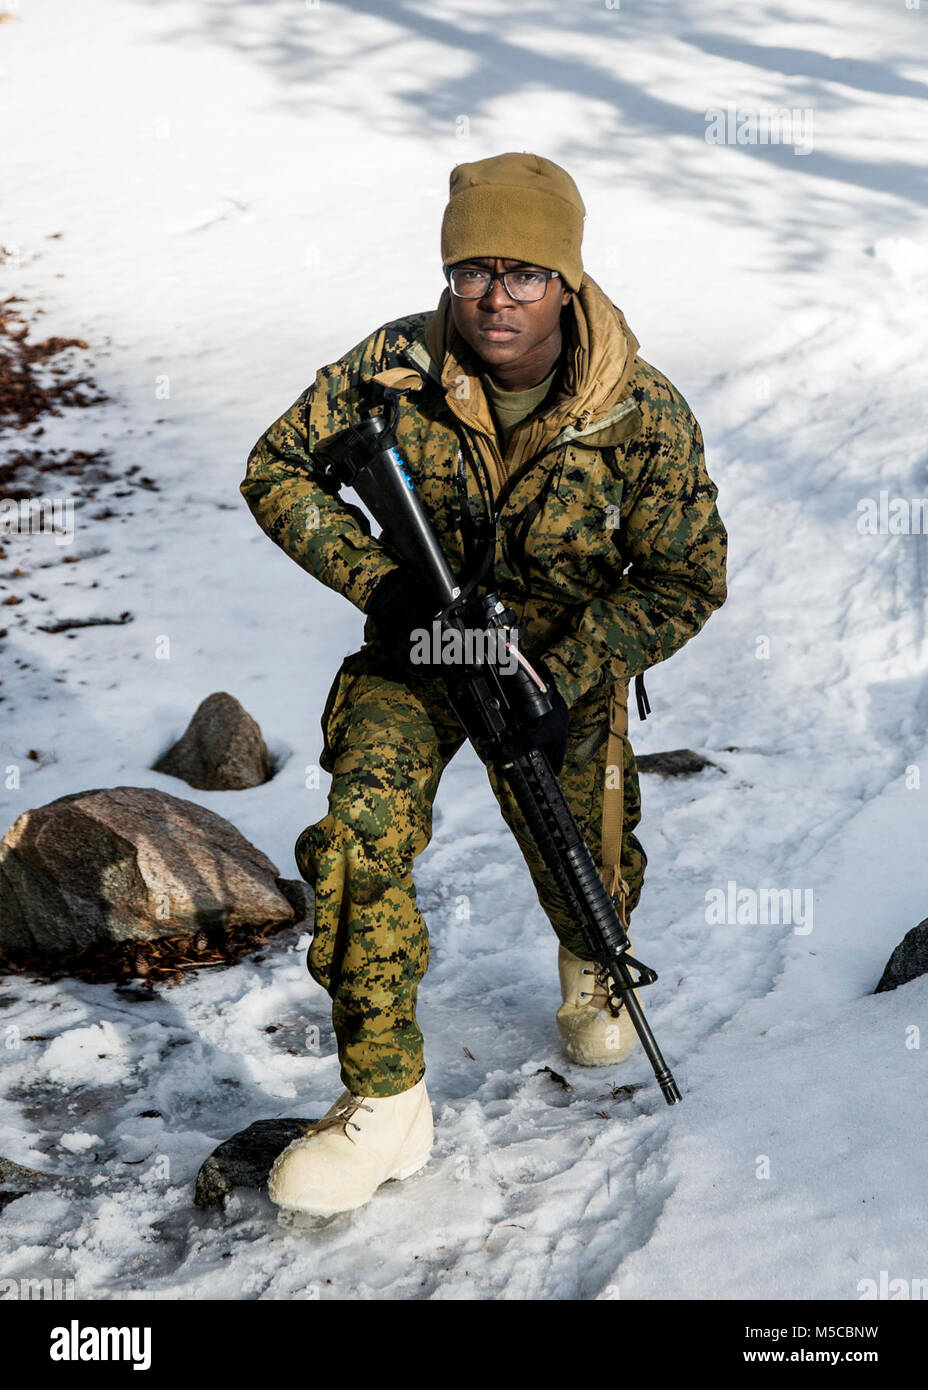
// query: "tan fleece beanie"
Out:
[519,206]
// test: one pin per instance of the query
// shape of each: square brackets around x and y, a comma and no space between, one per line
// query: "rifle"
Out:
[492,709]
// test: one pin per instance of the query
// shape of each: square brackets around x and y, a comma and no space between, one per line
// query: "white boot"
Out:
[360,1143]
[590,1034]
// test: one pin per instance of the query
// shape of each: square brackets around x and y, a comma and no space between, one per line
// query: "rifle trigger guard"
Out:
[646,976]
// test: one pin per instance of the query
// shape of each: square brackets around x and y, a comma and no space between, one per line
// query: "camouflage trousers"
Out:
[386,745]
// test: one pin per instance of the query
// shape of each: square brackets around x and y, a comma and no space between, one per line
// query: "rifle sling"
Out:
[613,791]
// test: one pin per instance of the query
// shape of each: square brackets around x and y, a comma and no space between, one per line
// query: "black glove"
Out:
[396,607]
[549,733]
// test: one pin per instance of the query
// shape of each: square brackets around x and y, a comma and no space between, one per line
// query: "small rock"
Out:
[678,762]
[129,864]
[16,1181]
[244,1160]
[908,960]
[555,1076]
[222,749]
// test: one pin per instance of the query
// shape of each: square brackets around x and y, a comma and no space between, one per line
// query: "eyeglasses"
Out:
[473,282]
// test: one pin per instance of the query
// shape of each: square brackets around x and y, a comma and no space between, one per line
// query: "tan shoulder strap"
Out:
[613,792]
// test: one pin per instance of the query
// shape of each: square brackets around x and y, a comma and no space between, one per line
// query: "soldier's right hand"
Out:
[397,608]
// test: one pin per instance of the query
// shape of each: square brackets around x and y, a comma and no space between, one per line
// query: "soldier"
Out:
[525,384]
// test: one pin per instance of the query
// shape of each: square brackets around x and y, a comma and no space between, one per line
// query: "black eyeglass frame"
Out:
[500,275]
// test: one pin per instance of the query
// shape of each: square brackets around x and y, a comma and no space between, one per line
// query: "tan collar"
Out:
[600,361]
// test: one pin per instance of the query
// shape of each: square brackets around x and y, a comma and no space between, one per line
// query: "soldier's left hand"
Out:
[547,734]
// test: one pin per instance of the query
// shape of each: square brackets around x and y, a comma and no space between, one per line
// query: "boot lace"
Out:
[341,1119]
[601,996]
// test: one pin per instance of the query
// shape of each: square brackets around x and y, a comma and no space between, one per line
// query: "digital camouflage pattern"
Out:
[610,550]
[386,746]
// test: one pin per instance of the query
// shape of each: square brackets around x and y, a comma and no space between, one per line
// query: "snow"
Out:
[220,199]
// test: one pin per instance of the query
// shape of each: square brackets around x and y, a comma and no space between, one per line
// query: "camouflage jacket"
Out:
[609,545]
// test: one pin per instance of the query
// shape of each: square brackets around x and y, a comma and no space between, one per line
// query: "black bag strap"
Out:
[641,695]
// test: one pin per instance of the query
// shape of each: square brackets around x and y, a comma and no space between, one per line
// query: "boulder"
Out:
[244,1160]
[222,749]
[677,762]
[908,960]
[129,864]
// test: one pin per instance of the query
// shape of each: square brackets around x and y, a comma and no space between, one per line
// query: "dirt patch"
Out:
[26,392]
[42,378]
[164,962]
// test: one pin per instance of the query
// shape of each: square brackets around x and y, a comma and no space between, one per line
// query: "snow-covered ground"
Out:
[219,199]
